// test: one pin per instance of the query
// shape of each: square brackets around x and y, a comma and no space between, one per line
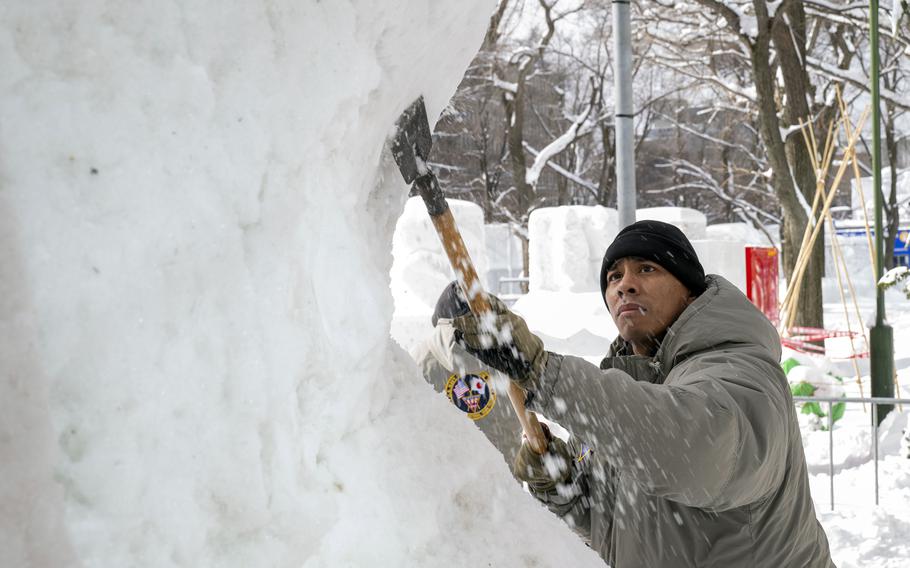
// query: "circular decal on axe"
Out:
[471,394]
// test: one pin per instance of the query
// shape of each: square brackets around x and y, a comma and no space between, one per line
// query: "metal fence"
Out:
[511,282]
[831,401]
[514,284]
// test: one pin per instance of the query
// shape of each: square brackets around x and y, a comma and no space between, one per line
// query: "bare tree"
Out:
[756,51]
[721,89]
[852,42]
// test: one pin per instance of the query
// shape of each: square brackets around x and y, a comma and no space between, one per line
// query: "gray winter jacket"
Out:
[697,457]
[451,370]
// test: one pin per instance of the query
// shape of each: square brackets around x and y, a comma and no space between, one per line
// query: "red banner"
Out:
[762,281]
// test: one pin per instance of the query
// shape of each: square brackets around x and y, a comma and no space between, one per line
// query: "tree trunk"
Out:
[788,35]
[525,263]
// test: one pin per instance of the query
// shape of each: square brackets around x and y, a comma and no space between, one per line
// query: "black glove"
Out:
[501,339]
[451,304]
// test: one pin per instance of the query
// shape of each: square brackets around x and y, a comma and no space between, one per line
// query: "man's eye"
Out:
[647,268]
[613,276]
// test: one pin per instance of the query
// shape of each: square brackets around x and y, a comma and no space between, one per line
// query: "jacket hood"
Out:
[721,315]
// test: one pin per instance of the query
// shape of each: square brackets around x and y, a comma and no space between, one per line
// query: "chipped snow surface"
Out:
[196,214]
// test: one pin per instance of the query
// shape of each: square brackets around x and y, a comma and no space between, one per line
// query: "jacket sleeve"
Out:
[714,437]
[500,425]
[571,500]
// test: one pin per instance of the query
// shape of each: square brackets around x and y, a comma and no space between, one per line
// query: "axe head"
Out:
[412,141]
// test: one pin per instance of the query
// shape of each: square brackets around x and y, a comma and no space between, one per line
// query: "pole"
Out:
[831,450]
[881,344]
[623,112]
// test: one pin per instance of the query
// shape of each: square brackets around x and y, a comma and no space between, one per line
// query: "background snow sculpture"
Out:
[567,246]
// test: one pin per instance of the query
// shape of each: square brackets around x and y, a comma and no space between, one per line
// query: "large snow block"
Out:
[691,222]
[743,232]
[420,267]
[726,258]
[567,245]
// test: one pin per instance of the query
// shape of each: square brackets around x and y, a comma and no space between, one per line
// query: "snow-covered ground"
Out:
[862,534]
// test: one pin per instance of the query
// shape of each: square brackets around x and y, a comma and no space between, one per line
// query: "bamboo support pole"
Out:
[841,265]
[857,179]
[808,132]
[805,249]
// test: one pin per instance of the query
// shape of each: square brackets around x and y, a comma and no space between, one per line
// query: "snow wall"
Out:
[196,214]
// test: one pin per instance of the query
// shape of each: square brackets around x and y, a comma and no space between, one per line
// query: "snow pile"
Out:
[825,383]
[196,215]
[573,324]
[898,277]
[738,232]
[860,533]
[876,537]
[567,245]
[691,222]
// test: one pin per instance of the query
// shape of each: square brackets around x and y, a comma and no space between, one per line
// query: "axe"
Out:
[411,147]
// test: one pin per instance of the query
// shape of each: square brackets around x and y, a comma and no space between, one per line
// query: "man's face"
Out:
[644,300]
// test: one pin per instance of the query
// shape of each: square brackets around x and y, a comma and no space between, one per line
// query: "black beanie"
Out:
[664,244]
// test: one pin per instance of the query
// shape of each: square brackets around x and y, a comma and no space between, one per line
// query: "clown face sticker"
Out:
[472,394]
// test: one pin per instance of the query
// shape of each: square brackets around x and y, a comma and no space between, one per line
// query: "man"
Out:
[695,452]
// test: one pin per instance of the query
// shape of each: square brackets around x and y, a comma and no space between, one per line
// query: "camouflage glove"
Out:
[503,341]
[543,473]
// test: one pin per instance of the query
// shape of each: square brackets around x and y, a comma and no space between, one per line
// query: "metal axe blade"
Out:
[412,140]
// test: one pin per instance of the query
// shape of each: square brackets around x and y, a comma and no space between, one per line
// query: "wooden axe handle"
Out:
[477,300]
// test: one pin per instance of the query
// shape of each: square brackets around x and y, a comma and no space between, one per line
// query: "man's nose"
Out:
[628,284]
